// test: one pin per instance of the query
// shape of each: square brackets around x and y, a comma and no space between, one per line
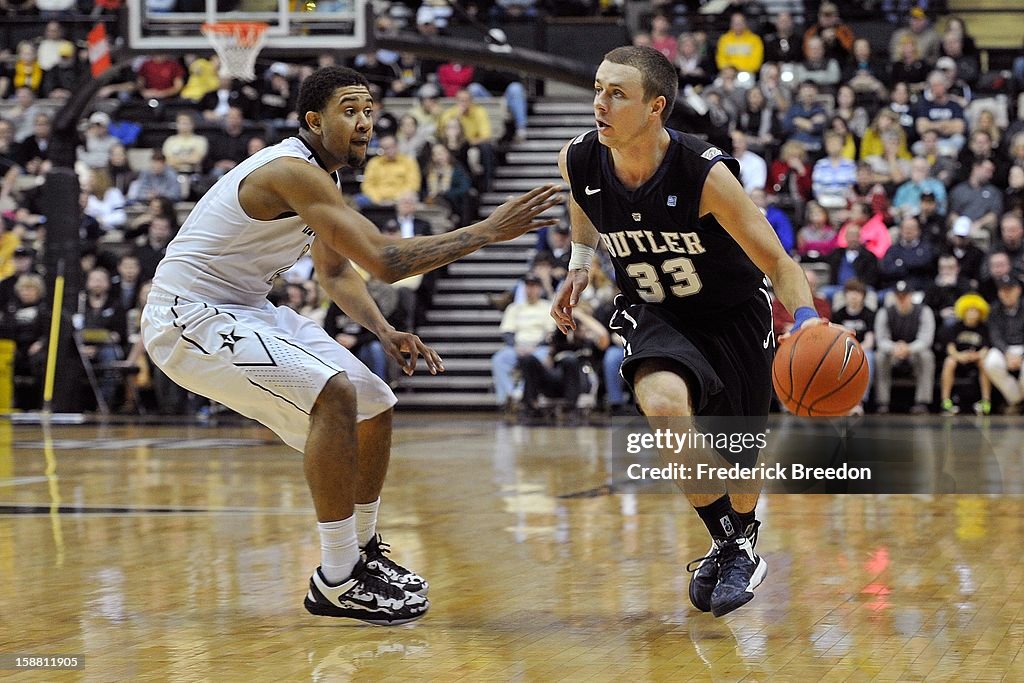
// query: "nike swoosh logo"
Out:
[589,191]
[851,344]
[371,603]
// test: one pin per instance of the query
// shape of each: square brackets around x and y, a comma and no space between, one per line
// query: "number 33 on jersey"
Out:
[662,250]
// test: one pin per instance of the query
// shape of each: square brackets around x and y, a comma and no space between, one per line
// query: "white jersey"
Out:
[221,255]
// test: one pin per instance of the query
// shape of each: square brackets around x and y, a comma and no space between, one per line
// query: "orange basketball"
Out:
[821,371]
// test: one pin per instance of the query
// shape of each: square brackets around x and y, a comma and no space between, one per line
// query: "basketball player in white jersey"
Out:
[209,327]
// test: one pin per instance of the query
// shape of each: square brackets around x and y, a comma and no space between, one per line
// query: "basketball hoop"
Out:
[237,44]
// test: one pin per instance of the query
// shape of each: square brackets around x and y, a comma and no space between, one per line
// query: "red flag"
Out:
[99,50]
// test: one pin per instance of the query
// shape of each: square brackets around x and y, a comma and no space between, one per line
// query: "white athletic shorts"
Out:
[269,364]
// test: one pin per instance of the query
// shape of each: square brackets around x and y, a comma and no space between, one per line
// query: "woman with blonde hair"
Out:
[910,69]
[872,146]
[26,71]
[104,202]
[447,183]
[453,136]
[986,121]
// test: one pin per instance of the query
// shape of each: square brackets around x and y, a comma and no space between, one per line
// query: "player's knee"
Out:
[661,391]
[664,404]
[337,398]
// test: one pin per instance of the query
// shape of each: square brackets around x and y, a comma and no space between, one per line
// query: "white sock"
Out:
[366,521]
[339,551]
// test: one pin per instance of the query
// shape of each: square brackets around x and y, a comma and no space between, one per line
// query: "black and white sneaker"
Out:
[740,571]
[704,579]
[365,597]
[383,567]
[705,570]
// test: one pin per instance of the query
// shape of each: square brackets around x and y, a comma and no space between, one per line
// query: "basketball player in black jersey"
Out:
[690,252]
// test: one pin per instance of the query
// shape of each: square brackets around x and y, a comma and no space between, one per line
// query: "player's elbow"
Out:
[387,266]
[380,271]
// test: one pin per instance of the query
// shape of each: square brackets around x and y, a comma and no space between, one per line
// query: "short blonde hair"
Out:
[793,148]
[31,280]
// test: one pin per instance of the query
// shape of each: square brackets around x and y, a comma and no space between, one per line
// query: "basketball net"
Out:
[237,43]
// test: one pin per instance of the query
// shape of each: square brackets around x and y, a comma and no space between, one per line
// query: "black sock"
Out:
[746,519]
[720,519]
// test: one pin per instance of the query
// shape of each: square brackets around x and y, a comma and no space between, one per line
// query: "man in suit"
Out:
[405,217]
[406,224]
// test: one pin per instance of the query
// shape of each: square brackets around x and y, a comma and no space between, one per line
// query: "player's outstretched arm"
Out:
[312,194]
[724,197]
[585,240]
[348,289]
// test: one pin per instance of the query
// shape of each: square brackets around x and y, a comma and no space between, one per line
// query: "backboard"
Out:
[307,26]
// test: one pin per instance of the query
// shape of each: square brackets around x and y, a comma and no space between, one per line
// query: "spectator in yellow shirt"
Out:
[10,242]
[472,116]
[740,48]
[388,176]
[476,126]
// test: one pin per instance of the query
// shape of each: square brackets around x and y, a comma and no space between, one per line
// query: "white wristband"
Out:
[581,256]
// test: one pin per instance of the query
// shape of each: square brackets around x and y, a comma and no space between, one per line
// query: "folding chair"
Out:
[96,369]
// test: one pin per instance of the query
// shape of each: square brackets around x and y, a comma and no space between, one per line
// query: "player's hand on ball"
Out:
[809,323]
[406,348]
[522,214]
[567,297]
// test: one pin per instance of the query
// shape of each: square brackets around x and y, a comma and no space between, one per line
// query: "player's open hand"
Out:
[567,297]
[522,214]
[406,348]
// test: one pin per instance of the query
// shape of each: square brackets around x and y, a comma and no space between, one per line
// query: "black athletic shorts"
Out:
[726,360]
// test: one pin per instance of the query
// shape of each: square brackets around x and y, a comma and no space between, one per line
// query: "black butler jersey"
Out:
[663,252]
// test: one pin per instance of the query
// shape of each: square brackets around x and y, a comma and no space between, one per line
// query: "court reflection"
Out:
[190,563]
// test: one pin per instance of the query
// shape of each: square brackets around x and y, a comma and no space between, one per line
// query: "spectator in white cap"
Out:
[967,253]
[959,89]
[97,141]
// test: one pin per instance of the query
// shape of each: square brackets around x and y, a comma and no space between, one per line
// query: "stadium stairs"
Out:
[462,325]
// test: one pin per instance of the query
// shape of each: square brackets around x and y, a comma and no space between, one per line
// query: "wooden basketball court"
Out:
[182,553]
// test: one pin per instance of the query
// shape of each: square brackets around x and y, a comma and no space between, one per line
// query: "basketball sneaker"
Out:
[705,570]
[740,571]
[383,567]
[704,579]
[365,597]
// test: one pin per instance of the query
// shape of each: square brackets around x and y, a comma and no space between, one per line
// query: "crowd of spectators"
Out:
[892,178]
[894,174]
[161,133]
